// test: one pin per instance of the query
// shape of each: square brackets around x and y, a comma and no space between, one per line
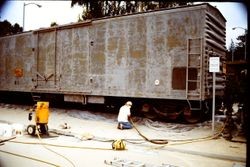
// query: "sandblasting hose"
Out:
[155,141]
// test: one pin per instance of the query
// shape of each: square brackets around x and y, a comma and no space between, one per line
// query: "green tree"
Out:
[230,53]
[53,24]
[7,29]
[236,51]
[240,48]
[98,9]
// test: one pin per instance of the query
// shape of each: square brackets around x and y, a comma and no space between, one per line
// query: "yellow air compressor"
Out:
[41,118]
[118,145]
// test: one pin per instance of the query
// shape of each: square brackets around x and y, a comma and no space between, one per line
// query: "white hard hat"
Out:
[129,103]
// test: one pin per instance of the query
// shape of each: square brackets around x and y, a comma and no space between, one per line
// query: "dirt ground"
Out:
[88,142]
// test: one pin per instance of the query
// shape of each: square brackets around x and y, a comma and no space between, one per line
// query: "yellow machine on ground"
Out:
[41,118]
[119,145]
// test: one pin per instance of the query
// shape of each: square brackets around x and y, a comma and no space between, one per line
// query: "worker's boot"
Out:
[119,126]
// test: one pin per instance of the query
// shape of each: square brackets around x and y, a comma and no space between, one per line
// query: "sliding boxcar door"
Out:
[73,49]
[46,60]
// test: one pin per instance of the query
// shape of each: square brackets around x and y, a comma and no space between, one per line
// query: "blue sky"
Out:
[62,13]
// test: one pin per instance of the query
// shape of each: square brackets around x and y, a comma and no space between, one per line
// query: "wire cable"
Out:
[31,158]
[63,146]
[39,137]
[177,142]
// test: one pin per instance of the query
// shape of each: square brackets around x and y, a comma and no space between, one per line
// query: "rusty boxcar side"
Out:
[157,55]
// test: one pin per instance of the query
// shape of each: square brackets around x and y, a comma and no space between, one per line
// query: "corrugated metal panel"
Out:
[16,54]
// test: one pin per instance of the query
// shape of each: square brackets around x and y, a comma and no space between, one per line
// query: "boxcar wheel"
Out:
[191,116]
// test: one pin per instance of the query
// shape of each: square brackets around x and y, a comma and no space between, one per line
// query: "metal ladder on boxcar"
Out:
[194,63]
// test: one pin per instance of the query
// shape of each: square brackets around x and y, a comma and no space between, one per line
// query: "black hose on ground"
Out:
[155,141]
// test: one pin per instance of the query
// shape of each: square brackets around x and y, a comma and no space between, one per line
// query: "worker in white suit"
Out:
[124,116]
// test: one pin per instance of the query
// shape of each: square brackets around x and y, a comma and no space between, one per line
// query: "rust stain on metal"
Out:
[18,72]
[136,53]
[173,41]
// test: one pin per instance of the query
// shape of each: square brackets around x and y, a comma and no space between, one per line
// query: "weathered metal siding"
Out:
[62,60]
[97,58]
[46,62]
[118,58]
[133,56]
[17,62]
[72,59]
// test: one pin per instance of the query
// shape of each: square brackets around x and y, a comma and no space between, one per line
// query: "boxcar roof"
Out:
[173,9]
[89,22]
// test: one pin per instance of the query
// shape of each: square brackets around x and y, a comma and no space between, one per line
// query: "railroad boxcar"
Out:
[154,58]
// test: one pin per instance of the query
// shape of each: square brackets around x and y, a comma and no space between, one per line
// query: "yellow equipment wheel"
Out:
[31,129]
